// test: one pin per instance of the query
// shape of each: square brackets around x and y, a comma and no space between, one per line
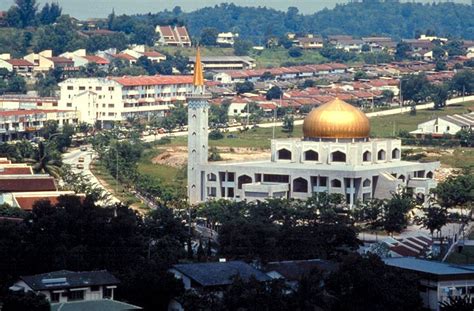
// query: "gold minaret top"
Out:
[198,78]
[336,119]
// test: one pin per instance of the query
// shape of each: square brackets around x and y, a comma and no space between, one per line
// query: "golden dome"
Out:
[336,119]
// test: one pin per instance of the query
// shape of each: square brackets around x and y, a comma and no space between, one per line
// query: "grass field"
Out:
[116,189]
[165,173]
[389,126]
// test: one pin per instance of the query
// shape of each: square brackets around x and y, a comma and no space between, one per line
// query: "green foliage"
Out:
[288,124]
[215,134]
[457,303]
[214,155]
[295,52]
[455,191]
[274,93]
[244,87]
[8,211]
[218,113]
[209,36]
[20,301]
[434,218]
[359,75]
[368,284]
[10,82]
[23,13]
[415,88]
[49,13]
[337,55]
[242,47]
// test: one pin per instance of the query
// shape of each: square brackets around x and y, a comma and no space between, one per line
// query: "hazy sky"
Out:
[101,8]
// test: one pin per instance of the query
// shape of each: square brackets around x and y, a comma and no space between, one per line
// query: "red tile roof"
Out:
[5,161]
[16,170]
[153,54]
[26,201]
[124,56]
[29,184]
[96,59]
[61,60]
[19,62]
[153,80]
[7,113]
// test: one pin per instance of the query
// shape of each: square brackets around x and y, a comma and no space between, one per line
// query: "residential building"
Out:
[20,66]
[81,59]
[17,124]
[212,276]
[44,61]
[439,281]
[309,42]
[450,124]
[112,99]
[347,43]
[23,102]
[220,63]
[140,51]
[173,35]
[75,291]
[226,38]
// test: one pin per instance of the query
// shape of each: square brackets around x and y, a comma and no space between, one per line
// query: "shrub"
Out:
[215,135]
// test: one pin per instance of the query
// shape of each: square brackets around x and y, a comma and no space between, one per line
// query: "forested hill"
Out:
[399,20]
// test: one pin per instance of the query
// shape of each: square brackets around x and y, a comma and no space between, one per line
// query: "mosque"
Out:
[335,155]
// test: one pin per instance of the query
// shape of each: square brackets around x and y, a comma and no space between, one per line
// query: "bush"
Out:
[295,52]
[163,141]
[215,135]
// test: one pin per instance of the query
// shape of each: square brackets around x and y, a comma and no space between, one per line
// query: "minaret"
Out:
[198,109]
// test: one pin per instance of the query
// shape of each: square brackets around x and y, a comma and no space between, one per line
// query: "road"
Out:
[72,158]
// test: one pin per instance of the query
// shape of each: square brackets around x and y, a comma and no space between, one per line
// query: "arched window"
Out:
[211,177]
[300,185]
[429,175]
[338,156]
[336,183]
[244,179]
[311,155]
[284,154]
[396,153]
[366,183]
[401,177]
[381,155]
[367,156]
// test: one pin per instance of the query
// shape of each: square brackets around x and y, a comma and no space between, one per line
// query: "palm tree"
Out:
[46,160]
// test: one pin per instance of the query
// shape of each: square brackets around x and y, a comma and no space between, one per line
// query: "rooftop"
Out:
[69,279]
[153,80]
[219,273]
[94,305]
[431,267]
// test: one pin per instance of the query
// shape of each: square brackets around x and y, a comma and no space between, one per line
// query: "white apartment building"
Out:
[114,99]
[227,38]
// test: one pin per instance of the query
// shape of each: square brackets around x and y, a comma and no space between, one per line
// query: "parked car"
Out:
[81,159]
[83,148]
[80,166]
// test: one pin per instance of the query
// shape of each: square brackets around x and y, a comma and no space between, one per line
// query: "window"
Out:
[55,297]
[70,87]
[381,155]
[284,154]
[107,293]
[367,156]
[230,192]
[211,191]
[98,88]
[111,105]
[211,177]
[338,156]
[323,181]
[230,176]
[95,288]
[311,155]
[69,105]
[429,175]
[76,295]
[111,88]
[82,88]
[244,179]
[366,183]
[336,183]
[396,153]
[300,185]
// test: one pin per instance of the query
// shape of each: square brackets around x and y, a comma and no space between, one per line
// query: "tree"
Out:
[26,12]
[274,93]
[457,303]
[244,87]
[441,66]
[285,42]
[434,218]
[47,160]
[368,284]
[415,88]
[295,52]
[396,209]
[25,301]
[209,36]
[242,47]
[168,124]
[463,82]
[440,94]
[466,138]
[49,13]
[359,75]
[402,50]
[288,124]
[455,191]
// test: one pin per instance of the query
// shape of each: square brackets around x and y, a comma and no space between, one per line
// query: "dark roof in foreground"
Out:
[69,279]
[220,273]
[94,305]
[430,267]
[294,270]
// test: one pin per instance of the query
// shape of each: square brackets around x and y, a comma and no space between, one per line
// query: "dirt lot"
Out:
[178,156]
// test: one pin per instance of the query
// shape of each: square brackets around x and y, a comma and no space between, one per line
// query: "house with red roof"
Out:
[173,36]
[20,66]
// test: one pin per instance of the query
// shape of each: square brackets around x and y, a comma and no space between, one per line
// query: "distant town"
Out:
[234,158]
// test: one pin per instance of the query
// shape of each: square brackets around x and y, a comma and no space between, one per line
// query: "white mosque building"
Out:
[336,155]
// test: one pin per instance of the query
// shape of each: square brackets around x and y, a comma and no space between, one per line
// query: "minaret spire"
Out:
[198,78]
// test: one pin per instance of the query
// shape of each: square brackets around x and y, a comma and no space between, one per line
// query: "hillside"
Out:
[399,20]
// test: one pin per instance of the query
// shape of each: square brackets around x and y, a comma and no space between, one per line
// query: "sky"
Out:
[101,8]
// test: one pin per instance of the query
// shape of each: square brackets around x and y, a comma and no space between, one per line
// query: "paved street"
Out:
[72,158]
